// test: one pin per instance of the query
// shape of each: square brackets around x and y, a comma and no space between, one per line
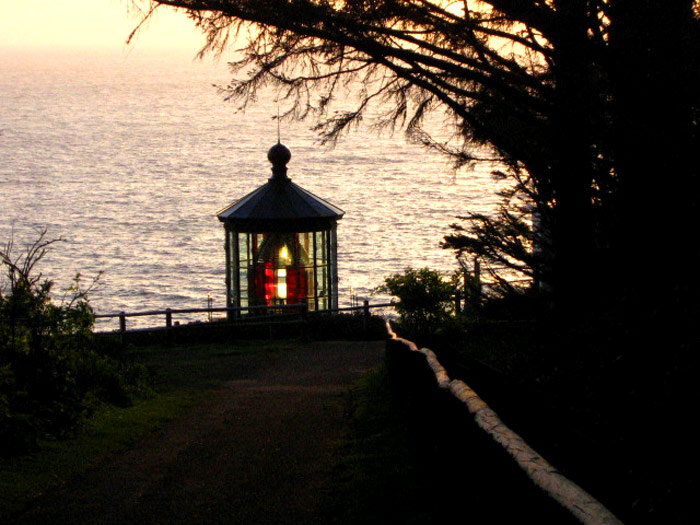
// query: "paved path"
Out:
[258,451]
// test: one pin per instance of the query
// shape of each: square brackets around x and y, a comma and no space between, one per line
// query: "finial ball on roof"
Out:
[279,155]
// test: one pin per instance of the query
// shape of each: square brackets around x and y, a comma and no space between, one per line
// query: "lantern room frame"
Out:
[281,244]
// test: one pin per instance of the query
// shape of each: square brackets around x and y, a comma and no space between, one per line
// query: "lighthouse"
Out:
[281,244]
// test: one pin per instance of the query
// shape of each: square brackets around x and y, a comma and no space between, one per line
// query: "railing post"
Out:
[168,326]
[122,322]
[473,287]
[477,278]
[365,317]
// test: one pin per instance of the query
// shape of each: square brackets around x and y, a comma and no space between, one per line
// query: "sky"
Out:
[98,25]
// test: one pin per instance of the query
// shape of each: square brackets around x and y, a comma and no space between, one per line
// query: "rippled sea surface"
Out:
[128,158]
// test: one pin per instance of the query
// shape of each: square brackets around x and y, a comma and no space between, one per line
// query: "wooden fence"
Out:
[249,315]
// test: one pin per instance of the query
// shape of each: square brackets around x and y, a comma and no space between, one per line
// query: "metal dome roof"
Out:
[280,205]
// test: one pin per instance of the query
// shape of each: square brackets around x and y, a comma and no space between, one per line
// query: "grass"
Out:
[410,459]
[181,377]
[110,430]
[202,366]
[396,458]
[373,472]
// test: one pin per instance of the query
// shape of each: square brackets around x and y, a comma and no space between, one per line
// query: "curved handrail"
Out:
[567,493]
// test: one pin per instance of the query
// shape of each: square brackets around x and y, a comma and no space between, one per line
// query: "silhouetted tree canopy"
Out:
[592,105]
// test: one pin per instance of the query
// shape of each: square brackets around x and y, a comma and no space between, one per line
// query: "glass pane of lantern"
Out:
[243,247]
[321,248]
[306,245]
[257,240]
[232,257]
[333,268]
[310,292]
[243,286]
[322,280]
[268,248]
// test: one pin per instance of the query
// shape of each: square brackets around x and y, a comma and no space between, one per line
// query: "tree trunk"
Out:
[655,77]
[574,250]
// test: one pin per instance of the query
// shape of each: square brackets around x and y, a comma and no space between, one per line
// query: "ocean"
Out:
[128,157]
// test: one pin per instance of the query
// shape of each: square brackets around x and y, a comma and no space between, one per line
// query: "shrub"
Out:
[51,369]
[425,298]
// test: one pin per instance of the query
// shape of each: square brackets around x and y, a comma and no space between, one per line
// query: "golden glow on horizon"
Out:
[92,25]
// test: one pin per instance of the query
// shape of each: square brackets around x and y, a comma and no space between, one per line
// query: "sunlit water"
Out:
[129,159]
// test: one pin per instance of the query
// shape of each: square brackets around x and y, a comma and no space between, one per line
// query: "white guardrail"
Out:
[576,500]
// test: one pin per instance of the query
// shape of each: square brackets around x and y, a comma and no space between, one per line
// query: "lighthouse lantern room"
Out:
[281,245]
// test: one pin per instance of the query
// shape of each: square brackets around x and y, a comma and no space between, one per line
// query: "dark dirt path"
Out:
[258,451]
